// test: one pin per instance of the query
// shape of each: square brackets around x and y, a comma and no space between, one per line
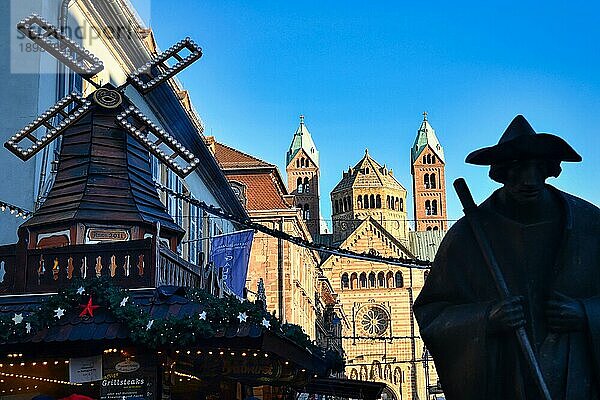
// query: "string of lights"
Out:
[198,217]
[18,212]
[38,378]
[401,262]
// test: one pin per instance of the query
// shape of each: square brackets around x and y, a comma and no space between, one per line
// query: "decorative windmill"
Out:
[103,188]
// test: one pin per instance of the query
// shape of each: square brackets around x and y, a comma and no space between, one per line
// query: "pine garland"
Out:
[220,314]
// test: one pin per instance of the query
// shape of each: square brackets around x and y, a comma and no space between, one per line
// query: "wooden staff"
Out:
[470,209]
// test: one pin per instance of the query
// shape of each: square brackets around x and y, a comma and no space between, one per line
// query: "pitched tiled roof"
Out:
[262,191]
[229,158]
[368,173]
[264,187]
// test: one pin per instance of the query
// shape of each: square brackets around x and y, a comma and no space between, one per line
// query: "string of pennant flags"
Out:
[247,223]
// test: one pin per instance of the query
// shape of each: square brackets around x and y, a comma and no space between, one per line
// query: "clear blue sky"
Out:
[363,72]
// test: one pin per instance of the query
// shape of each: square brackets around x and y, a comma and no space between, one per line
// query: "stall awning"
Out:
[347,388]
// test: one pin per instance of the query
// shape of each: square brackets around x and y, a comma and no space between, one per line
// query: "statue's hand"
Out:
[507,315]
[564,314]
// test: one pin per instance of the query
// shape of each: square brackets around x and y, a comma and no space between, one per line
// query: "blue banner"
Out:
[231,254]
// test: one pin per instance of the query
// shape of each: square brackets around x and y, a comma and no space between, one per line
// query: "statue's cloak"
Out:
[536,260]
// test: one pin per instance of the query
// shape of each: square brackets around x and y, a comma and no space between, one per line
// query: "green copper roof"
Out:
[426,136]
[302,140]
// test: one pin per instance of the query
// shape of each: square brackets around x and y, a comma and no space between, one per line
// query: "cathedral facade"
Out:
[381,340]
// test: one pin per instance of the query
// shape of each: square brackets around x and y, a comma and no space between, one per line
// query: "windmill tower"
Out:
[103,190]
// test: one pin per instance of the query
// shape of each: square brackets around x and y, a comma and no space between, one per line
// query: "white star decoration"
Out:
[58,313]
[149,324]
[81,290]
[124,301]
[28,327]
[18,318]
[266,323]
[202,315]
[242,317]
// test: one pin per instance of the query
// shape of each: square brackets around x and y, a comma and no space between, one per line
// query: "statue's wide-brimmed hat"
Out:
[520,142]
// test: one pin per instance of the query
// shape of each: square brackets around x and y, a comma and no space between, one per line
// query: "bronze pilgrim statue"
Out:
[546,249]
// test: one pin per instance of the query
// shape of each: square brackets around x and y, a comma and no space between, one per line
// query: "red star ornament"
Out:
[88,308]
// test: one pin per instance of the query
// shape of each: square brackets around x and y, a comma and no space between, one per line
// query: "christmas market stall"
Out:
[97,339]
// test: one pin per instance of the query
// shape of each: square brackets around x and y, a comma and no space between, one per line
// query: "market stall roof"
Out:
[347,388]
[164,302]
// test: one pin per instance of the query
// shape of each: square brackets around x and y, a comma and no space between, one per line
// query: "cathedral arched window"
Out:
[401,204]
[372,279]
[399,279]
[428,158]
[297,163]
[434,207]
[426,182]
[427,207]
[302,163]
[363,280]
[354,281]
[424,160]
[432,181]
[381,279]
[433,159]
[372,201]
[435,228]
[387,201]
[389,278]
[397,204]
[366,201]
[359,201]
[306,185]
[345,281]
[349,203]
[306,212]
[299,187]
[378,201]
[367,171]
[345,204]
[428,228]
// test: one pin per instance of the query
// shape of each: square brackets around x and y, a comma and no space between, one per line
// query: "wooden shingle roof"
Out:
[104,175]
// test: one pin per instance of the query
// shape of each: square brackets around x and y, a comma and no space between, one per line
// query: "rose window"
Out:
[374,320]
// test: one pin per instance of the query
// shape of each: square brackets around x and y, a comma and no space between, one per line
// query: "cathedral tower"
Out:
[429,181]
[368,190]
[302,168]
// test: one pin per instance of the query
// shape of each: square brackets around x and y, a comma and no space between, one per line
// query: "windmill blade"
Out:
[70,53]
[144,79]
[67,111]
[158,142]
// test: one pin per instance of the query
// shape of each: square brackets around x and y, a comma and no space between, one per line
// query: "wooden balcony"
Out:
[132,264]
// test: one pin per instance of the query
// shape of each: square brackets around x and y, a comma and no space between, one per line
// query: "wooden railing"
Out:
[174,270]
[128,264]
[133,264]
